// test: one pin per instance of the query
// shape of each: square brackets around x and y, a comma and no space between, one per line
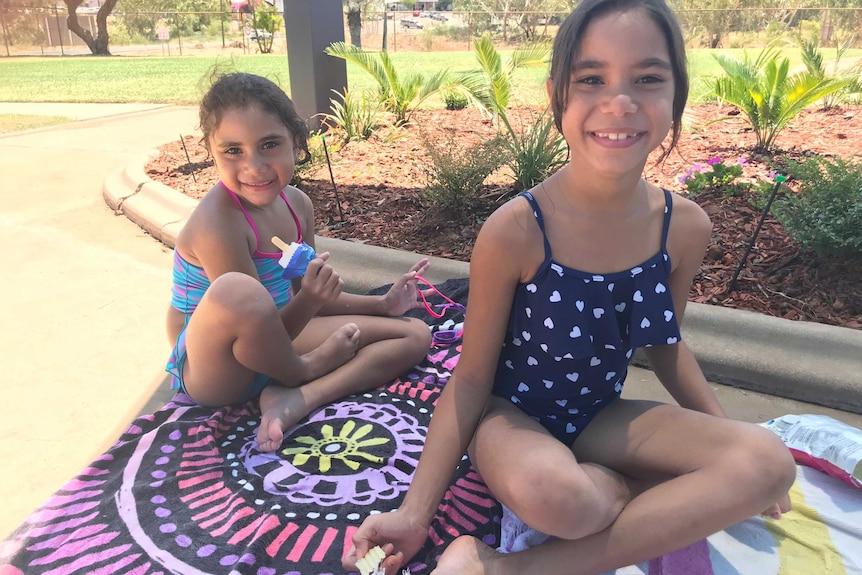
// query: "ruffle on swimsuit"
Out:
[575,314]
[579,314]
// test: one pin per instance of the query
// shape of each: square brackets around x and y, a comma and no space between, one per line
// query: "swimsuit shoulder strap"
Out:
[245,213]
[295,218]
[537,213]
[668,207]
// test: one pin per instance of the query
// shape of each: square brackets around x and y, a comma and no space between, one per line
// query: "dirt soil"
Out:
[379,183]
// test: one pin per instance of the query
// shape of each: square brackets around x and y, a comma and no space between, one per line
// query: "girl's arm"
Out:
[400,299]
[495,269]
[675,365]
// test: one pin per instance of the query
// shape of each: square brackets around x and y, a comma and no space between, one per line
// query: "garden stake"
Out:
[188,159]
[331,177]
[778,181]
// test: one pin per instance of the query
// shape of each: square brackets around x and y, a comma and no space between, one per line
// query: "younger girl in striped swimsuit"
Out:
[239,328]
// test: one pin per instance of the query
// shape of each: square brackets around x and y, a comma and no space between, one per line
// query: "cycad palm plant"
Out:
[399,95]
[765,91]
[490,87]
[539,150]
[812,57]
[356,115]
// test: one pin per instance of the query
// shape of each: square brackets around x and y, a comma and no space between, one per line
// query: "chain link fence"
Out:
[44,31]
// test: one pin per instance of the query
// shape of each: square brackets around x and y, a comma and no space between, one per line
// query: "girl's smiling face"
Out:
[254,154]
[620,96]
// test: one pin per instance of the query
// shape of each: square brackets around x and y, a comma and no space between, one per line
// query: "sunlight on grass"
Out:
[20,122]
[182,80]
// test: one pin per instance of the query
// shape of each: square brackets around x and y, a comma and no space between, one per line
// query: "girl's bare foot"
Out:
[338,349]
[466,555]
[280,408]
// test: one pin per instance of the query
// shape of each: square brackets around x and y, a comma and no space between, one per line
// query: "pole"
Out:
[778,181]
[59,32]
[179,33]
[332,178]
[5,30]
[221,19]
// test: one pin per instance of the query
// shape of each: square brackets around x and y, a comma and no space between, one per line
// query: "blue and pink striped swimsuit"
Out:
[190,282]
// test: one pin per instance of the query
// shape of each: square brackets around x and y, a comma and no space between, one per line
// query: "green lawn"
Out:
[21,122]
[182,80]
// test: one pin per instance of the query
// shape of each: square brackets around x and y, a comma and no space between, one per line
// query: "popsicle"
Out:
[295,257]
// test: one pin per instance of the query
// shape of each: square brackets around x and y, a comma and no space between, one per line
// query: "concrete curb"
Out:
[804,361]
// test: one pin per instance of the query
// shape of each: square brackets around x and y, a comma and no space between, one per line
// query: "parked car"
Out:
[408,23]
[438,17]
[254,34]
[552,21]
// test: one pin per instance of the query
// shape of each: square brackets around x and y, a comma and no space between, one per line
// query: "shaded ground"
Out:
[380,181]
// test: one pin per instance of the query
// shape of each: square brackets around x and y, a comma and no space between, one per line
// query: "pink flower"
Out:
[742,162]
[713,161]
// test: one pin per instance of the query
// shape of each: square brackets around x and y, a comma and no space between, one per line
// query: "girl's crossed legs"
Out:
[678,476]
[388,346]
[236,332]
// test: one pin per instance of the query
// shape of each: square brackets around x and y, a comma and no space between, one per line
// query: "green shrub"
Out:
[715,175]
[456,172]
[825,212]
[356,116]
[537,152]
[454,99]
[118,32]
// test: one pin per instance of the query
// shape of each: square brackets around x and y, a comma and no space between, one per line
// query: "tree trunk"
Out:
[99,44]
[354,25]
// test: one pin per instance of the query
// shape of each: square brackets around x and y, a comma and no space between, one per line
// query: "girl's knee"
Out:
[239,294]
[414,339]
[562,503]
[767,460]
[420,334]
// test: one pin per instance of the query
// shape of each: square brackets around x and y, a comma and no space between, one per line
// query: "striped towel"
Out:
[822,535]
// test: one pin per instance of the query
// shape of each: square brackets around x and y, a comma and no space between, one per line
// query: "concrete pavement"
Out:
[85,292]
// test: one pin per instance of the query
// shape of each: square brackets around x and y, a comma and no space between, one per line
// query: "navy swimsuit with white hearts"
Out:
[571,335]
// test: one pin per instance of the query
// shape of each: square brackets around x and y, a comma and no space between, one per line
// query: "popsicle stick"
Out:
[279,243]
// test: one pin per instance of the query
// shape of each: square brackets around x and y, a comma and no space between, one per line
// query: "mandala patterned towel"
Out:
[185,490]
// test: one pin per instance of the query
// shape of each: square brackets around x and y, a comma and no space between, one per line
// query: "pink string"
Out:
[449,302]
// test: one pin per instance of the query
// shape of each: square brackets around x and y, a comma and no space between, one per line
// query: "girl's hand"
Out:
[778,509]
[398,535]
[320,281]
[403,295]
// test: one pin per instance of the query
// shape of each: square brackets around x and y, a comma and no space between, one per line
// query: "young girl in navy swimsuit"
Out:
[565,282]
[238,327]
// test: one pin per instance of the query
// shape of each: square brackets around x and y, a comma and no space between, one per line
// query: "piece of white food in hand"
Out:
[370,564]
